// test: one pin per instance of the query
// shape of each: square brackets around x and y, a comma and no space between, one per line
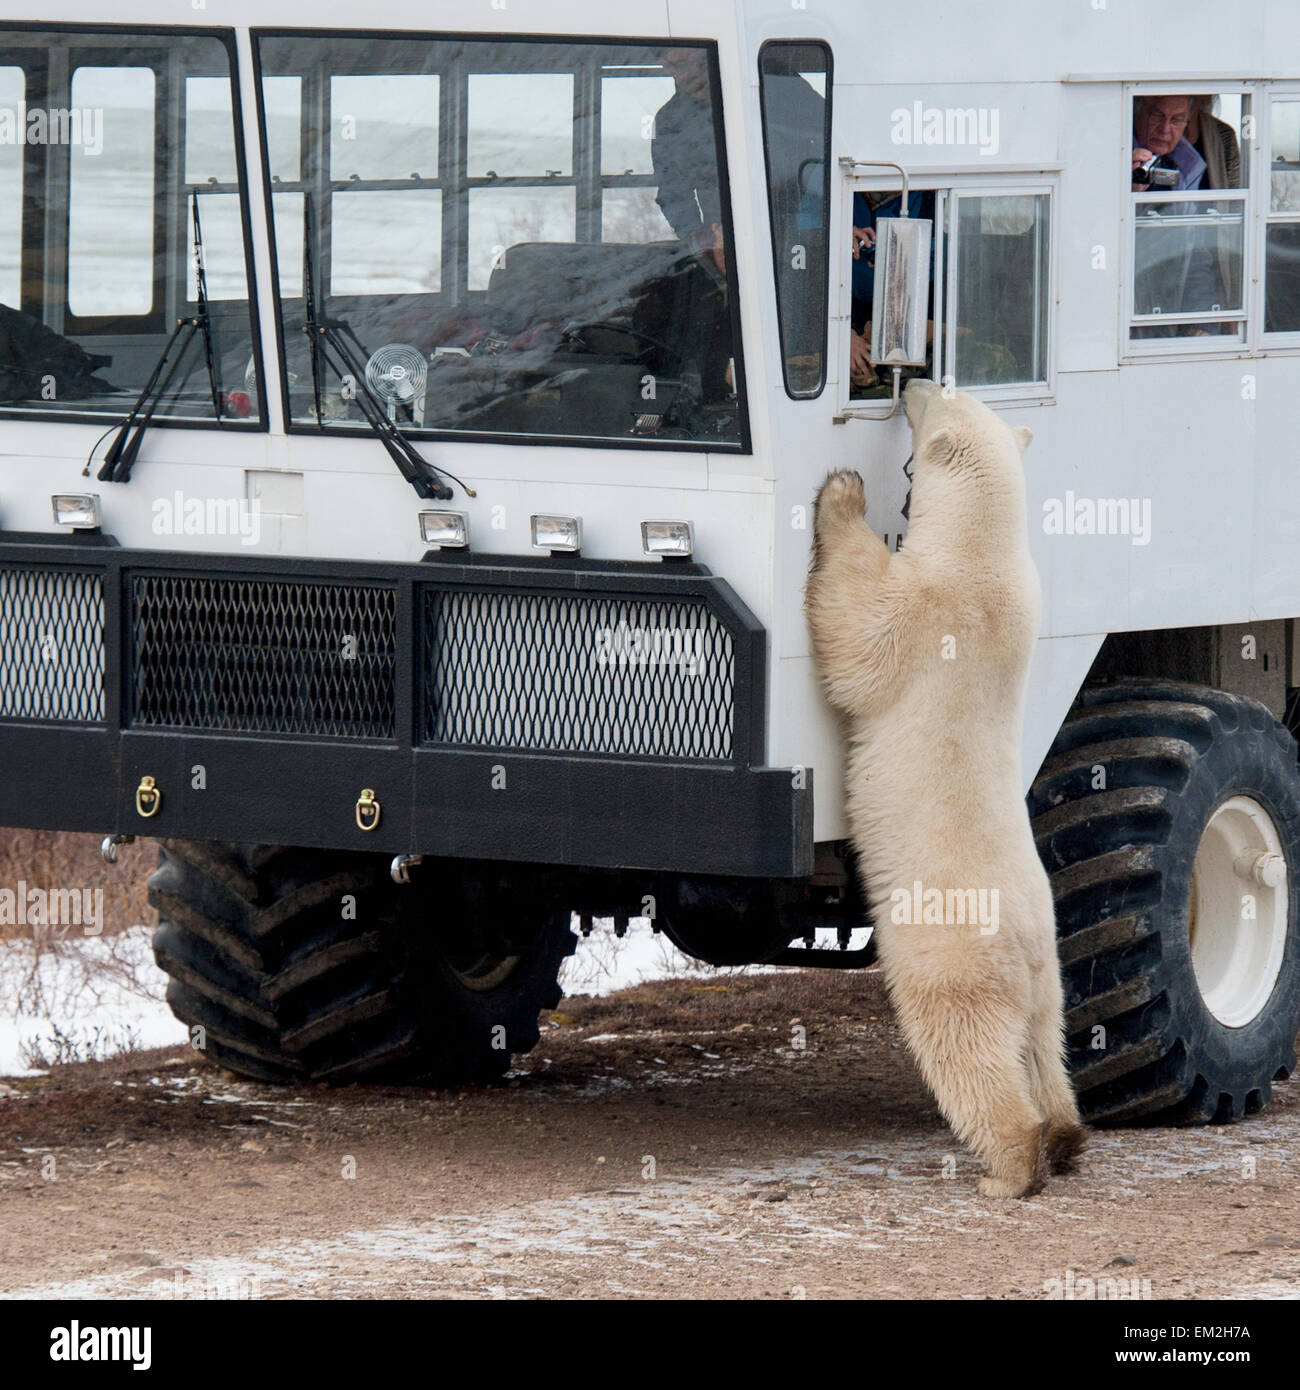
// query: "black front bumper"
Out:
[564,711]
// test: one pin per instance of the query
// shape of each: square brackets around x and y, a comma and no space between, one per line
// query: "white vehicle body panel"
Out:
[1216,466]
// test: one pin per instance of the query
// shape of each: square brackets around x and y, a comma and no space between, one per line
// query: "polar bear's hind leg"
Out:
[975,1061]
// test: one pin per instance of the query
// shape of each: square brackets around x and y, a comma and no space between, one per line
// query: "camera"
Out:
[1151,175]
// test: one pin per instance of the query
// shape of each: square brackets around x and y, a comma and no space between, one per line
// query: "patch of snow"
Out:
[604,962]
[95,997]
[81,998]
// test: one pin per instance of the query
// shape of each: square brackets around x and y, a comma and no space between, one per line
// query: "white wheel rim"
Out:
[1237,911]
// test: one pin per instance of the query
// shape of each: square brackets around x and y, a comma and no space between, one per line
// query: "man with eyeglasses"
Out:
[1180,275]
[1159,126]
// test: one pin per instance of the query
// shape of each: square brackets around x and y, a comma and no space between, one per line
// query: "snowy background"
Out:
[79,999]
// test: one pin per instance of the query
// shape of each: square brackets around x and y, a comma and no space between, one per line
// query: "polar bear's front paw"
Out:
[842,497]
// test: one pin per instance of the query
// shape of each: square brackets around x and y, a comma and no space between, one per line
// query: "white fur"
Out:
[926,653]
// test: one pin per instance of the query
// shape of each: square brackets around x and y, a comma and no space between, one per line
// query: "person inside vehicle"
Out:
[1216,142]
[684,158]
[688,310]
[1165,160]
[1159,134]
[867,209]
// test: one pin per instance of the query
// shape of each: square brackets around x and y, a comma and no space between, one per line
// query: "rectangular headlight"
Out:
[79,510]
[668,538]
[557,533]
[449,530]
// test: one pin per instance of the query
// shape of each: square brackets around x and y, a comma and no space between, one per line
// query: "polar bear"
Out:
[926,653]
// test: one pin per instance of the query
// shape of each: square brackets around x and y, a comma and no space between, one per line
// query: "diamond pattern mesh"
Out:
[51,645]
[560,673]
[264,656]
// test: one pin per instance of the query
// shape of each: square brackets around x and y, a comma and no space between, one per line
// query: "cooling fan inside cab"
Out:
[396,373]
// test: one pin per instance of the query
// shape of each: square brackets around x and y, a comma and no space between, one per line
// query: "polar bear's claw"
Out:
[1008,1187]
[1064,1145]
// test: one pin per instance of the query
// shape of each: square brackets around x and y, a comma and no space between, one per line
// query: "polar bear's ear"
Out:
[1023,436]
[941,445]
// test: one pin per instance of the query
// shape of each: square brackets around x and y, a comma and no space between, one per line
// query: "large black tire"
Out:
[1120,858]
[299,965]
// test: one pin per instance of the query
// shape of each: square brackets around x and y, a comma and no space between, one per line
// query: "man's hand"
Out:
[718,249]
[1140,156]
[861,371]
[863,237]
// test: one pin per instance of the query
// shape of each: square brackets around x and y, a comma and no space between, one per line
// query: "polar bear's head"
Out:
[952,430]
[968,471]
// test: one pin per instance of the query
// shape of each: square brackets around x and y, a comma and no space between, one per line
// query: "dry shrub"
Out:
[55,859]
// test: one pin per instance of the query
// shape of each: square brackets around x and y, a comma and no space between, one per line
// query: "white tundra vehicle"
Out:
[407,444]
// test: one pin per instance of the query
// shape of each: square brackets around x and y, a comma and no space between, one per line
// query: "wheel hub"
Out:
[1238,911]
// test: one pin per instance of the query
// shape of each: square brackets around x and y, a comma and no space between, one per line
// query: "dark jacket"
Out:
[684,154]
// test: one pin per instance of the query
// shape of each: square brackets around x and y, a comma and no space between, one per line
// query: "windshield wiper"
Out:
[125,448]
[325,345]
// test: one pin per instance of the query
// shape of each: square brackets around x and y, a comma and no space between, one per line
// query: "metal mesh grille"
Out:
[51,645]
[560,673]
[264,656]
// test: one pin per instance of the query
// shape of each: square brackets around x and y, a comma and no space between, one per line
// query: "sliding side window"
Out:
[1188,196]
[999,258]
[110,144]
[991,290]
[795,88]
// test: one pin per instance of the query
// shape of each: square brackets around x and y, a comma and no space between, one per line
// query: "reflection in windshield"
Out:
[105,163]
[520,238]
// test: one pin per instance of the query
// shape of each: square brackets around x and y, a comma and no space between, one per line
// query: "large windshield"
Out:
[503,238]
[114,148]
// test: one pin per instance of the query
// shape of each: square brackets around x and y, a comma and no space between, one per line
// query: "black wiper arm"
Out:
[125,448]
[410,464]
[324,339]
[311,325]
[121,454]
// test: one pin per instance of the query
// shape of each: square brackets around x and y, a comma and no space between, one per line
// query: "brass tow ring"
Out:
[368,811]
[147,792]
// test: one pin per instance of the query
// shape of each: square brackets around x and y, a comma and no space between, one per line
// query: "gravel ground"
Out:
[761,1136]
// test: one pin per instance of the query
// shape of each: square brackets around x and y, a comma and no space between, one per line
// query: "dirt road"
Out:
[764,1137]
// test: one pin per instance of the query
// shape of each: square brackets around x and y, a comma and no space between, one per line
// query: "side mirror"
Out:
[900,302]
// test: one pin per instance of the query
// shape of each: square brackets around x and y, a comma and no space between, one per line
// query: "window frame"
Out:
[1217,346]
[778,252]
[327,188]
[1282,341]
[1017,392]
[121,39]
[21,162]
[156,318]
[586,167]
[949,186]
